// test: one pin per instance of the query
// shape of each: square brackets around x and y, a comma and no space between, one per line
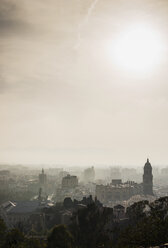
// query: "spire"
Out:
[147,160]
[42,171]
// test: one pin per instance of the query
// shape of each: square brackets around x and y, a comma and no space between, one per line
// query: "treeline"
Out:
[95,227]
[148,225]
[58,237]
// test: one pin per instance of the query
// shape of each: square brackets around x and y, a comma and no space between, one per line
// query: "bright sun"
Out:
[138,49]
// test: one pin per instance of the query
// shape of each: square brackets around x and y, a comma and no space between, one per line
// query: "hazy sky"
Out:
[63,99]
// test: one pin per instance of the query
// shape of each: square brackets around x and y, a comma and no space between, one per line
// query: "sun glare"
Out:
[138,49]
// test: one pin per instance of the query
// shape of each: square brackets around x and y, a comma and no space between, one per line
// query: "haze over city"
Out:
[84,117]
[83,82]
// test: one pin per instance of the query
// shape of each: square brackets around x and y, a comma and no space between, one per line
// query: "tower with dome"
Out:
[148,179]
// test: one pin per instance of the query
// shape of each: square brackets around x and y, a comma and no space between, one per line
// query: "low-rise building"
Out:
[117,191]
[14,213]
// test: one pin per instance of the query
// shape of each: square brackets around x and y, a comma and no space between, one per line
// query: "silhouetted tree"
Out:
[60,237]
[89,227]
[68,203]
[13,239]
[2,232]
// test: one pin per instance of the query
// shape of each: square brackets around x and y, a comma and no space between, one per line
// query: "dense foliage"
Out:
[89,227]
[16,239]
[146,228]
[96,227]
[60,237]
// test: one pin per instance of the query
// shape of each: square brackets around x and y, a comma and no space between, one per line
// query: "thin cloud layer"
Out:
[69,104]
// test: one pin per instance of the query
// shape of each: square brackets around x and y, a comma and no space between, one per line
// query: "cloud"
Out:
[11,18]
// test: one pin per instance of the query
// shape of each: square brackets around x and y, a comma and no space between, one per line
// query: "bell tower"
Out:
[148,179]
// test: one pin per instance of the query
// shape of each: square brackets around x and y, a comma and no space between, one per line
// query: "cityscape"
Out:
[25,193]
[83,124]
[34,200]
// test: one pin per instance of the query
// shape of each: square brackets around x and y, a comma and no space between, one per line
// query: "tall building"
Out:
[69,182]
[148,179]
[42,178]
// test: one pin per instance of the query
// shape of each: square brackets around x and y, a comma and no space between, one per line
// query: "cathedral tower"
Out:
[42,178]
[148,179]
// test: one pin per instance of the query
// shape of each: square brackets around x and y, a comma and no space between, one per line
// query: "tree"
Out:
[60,237]
[148,232]
[68,203]
[13,239]
[32,243]
[89,226]
[2,232]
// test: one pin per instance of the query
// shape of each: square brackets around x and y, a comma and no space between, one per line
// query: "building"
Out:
[42,178]
[5,173]
[4,180]
[116,181]
[117,191]
[148,179]
[4,184]
[89,174]
[25,212]
[17,212]
[69,182]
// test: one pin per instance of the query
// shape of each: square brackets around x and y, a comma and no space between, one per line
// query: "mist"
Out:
[63,100]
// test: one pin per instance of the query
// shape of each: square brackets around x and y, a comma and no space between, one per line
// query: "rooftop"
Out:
[22,207]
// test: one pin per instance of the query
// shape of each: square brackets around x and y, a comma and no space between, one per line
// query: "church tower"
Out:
[42,178]
[148,179]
